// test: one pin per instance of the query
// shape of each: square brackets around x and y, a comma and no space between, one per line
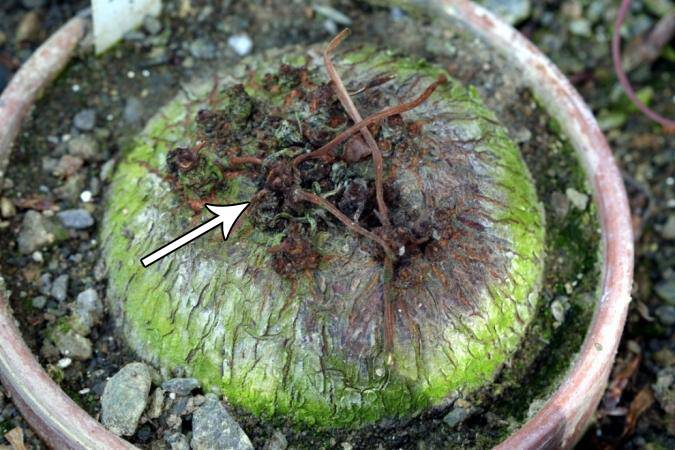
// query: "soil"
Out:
[127,84]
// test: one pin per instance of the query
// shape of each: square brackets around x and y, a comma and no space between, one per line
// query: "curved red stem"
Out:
[667,123]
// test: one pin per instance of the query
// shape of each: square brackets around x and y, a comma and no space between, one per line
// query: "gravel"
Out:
[29,27]
[203,48]
[59,289]
[668,230]
[7,209]
[278,441]
[125,397]
[578,199]
[178,441]
[133,111]
[72,345]
[664,389]
[84,147]
[666,314]
[37,231]
[152,25]
[156,404]
[67,165]
[85,120]
[512,11]
[666,290]
[39,302]
[240,43]
[78,219]
[87,311]
[460,412]
[180,386]
[213,428]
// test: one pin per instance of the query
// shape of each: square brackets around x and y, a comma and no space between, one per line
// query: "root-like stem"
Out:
[326,151]
[321,202]
[354,114]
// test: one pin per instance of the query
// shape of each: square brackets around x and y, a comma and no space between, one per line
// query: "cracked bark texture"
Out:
[311,349]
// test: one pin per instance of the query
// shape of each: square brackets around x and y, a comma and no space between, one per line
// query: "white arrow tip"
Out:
[228,214]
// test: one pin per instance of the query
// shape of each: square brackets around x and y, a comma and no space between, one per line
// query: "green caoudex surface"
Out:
[310,348]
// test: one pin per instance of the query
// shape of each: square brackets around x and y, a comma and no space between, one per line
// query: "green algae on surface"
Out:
[310,347]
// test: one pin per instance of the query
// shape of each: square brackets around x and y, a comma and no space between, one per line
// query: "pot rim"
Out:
[563,418]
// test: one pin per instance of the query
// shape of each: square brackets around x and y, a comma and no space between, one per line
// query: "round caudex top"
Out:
[390,258]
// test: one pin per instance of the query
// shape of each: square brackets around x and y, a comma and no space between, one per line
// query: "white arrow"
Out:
[226,215]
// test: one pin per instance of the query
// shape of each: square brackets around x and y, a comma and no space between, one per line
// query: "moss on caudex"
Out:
[286,317]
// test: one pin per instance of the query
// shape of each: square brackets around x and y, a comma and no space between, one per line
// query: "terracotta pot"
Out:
[559,424]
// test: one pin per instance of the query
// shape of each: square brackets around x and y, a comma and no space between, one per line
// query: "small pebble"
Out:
[68,165]
[133,110]
[666,290]
[213,428]
[124,398]
[88,310]
[64,362]
[84,147]
[460,412]
[278,441]
[86,196]
[37,231]
[202,48]
[578,199]
[333,14]
[180,386]
[78,219]
[32,4]
[85,120]
[152,25]
[668,230]
[512,11]
[29,27]
[7,208]
[178,441]
[156,404]
[72,345]
[60,288]
[240,43]
[39,302]
[666,314]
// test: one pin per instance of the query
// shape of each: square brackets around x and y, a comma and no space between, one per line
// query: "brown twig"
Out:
[326,151]
[373,83]
[667,123]
[236,160]
[354,114]
[388,308]
[349,223]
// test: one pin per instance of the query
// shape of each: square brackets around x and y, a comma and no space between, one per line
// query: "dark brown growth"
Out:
[285,181]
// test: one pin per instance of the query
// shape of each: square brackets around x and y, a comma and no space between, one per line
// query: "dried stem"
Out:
[354,114]
[326,151]
[236,160]
[349,223]
[388,307]
[668,124]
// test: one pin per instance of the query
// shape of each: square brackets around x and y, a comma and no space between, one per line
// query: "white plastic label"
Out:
[114,18]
